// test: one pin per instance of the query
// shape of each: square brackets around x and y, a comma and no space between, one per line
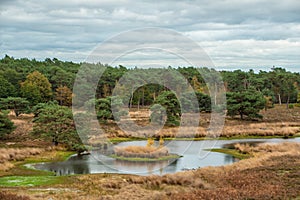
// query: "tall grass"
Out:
[141,151]
[268,147]
[16,154]
[9,196]
[281,129]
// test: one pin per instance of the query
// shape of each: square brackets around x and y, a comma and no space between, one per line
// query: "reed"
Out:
[141,151]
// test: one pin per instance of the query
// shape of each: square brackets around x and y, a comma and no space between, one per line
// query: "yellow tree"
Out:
[161,141]
[63,95]
[150,142]
[198,86]
[36,88]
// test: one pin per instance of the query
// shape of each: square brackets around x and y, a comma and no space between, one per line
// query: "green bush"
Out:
[6,125]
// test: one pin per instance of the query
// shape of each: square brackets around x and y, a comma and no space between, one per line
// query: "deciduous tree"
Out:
[64,96]
[36,88]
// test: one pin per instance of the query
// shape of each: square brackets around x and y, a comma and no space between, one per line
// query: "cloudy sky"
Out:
[234,34]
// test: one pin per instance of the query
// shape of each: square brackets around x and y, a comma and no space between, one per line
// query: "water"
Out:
[195,154]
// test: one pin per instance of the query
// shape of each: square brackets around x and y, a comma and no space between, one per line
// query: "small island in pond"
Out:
[144,153]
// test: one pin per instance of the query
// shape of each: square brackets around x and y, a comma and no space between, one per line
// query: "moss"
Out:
[20,170]
[57,156]
[116,140]
[27,181]
[231,152]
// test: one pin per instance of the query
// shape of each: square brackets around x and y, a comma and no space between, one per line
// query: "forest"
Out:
[42,81]
[45,89]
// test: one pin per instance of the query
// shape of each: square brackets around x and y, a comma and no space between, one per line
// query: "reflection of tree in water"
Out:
[144,167]
[229,159]
[148,167]
[82,166]
[74,165]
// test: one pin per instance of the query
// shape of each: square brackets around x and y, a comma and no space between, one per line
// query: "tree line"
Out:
[45,88]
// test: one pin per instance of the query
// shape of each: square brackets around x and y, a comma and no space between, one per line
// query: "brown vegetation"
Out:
[141,151]
[15,154]
[267,147]
[9,196]
[277,121]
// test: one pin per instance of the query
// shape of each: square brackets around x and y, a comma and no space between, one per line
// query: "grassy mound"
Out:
[143,153]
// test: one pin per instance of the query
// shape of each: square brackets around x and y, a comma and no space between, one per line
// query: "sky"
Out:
[234,34]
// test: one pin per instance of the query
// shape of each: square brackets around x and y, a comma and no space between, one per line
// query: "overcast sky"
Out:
[235,34]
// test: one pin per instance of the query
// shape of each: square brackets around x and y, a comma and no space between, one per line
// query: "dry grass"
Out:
[230,130]
[268,147]
[15,154]
[10,196]
[262,129]
[141,151]
[277,121]
[23,125]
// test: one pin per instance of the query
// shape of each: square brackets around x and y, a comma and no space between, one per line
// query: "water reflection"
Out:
[230,159]
[146,167]
[195,156]
[74,165]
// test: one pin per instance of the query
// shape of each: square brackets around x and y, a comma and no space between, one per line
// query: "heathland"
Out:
[266,166]
[37,125]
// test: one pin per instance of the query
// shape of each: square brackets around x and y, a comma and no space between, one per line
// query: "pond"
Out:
[195,154]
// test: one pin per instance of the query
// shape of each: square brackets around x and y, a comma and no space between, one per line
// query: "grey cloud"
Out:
[57,28]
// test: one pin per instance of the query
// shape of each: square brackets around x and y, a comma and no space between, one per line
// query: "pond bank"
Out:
[195,154]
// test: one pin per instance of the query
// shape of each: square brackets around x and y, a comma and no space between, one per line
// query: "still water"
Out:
[195,154]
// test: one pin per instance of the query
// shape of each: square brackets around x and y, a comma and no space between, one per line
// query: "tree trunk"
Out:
[154,96]
[215,94]
[279,98]
[54,142]
[287,102]
[16,112]
[143,97]
[131,99]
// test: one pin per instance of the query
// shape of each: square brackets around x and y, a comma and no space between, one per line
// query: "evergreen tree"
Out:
[168,100]
[6,125]
[55,123]
[247,103]
[17,104]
